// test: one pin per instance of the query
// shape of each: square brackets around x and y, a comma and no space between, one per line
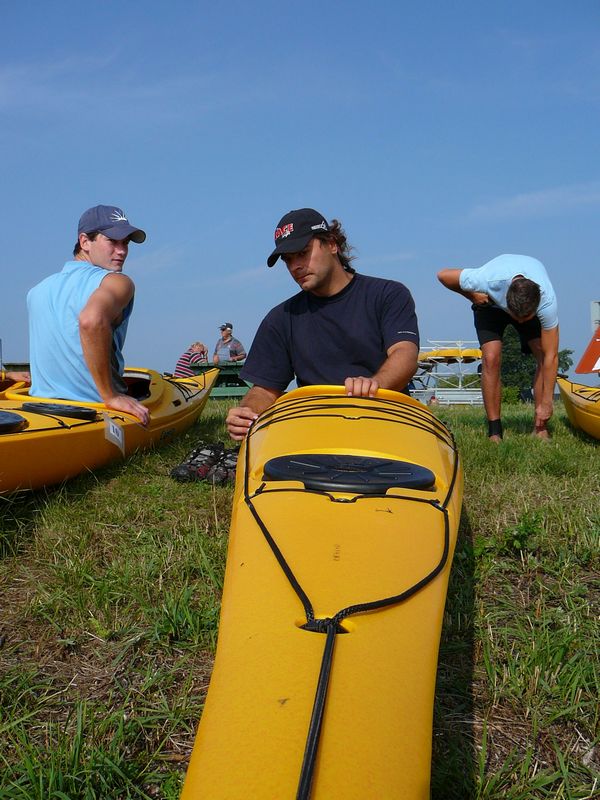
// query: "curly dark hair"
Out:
[522,297]
[337,235]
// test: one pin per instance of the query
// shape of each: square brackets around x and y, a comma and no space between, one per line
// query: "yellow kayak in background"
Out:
[582,404]
[345,518]
[44,441]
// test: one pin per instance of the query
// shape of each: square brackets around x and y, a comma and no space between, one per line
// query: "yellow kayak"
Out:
[344,524]
[582,404]
[44,441]
[450,355]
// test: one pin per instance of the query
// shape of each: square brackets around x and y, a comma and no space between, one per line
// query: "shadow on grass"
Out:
[454,757]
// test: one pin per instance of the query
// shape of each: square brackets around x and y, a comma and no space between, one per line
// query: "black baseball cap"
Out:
[295,230]
[112,222]
[225,326]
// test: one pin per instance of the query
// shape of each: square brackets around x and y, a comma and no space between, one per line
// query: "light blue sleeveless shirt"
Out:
[58,368]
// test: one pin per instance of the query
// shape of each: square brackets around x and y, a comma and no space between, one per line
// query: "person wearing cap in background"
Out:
[195,354]
[512,290]
[341,328]
[228,348]
[78,317]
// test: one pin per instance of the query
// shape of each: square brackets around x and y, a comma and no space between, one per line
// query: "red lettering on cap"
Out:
[284,231]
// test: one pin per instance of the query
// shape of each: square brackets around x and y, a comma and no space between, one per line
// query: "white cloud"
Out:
[388,258]
[161,259]
[79,84]
[542,203]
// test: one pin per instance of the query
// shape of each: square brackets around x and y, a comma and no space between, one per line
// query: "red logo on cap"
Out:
[281,233]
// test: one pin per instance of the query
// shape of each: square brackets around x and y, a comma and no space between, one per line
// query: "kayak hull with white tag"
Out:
[44,441]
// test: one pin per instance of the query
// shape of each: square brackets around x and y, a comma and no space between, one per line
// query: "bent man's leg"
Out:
[535,345]
[491,359]
[490,324]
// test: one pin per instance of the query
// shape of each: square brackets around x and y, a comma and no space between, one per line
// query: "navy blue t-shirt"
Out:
[324,340]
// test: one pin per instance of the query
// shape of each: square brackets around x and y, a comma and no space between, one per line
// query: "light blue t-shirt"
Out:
[58,368]
[495,277]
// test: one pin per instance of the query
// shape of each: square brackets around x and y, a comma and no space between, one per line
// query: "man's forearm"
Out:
[450,278]
[260,398]
[399,367]
[96,345]
[549,372]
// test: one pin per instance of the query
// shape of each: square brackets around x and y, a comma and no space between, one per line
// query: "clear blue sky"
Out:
[440,134]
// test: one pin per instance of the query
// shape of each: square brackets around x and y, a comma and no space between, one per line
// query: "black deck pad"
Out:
[11,422]
[60,410]
[348,473]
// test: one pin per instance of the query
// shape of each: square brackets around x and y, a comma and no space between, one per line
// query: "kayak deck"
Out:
[343,545]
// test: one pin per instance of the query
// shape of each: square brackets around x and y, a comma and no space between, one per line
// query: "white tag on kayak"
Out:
[114,433]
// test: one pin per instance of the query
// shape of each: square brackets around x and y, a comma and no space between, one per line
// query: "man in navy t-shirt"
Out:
[342,328]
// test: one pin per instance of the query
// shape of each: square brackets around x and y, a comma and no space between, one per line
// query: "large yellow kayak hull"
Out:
[341,548]
[45,449]
[582,404]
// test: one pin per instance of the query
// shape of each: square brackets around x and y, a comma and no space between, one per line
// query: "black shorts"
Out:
[491,322]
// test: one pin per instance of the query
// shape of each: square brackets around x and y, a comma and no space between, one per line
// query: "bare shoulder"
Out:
[118,284]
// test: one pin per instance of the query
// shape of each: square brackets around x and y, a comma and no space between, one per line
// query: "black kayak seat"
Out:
[11,422]
[60,410]
[348,473]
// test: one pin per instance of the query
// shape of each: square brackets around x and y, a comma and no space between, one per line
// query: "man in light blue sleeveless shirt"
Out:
[78,317]
[512,290]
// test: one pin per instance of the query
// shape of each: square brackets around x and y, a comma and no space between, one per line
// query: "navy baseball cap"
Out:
[225,326]
[112,222]
[295,230]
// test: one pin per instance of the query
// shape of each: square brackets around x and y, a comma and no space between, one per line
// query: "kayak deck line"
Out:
[312,452]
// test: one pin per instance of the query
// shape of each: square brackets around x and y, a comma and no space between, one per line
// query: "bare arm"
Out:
[450,278]
[546,377]
[102,311]
[395,372]
[256,401]
[18,376]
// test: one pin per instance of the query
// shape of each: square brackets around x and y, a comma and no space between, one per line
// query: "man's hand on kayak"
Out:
[361,387]
[122,402]
[239,420]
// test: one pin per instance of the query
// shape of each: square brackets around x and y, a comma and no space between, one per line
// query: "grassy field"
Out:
[109,598]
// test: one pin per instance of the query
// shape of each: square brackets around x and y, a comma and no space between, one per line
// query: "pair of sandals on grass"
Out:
[213,463]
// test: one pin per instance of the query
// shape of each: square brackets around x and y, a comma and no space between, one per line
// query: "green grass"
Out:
[110,586]
[517,695]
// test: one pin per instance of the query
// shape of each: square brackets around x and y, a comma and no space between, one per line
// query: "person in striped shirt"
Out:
[195,355]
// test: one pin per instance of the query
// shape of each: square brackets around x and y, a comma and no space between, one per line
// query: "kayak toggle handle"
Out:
[323,625]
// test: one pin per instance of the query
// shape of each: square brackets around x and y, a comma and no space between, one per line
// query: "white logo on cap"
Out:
[322,225]
[118,216]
